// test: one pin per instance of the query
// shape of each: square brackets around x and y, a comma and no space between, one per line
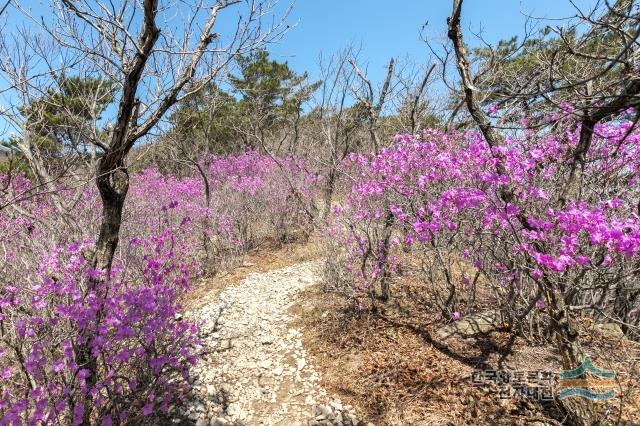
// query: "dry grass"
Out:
[395,371]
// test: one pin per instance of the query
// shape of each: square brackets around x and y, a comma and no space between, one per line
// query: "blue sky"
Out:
[382,28]
[388,29]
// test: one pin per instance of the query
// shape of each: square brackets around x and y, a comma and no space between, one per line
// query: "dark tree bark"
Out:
[582,411]
[112,178]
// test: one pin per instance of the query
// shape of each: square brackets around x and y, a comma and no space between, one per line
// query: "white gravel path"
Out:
[256,371]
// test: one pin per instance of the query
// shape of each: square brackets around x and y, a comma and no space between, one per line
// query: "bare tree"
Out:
[415,100]
[373,102]
[412,107]
[332,122]
[603,85]
[151,52]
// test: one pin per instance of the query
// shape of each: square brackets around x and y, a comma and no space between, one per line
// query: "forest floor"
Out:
[282,350]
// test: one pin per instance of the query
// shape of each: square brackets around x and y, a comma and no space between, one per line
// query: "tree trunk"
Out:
[328,193]
[113,187]
[206,222]
[113,193]
[582,411]
[384,262]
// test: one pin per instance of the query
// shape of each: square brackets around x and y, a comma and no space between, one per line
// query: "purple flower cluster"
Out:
[446,193]
[130,324]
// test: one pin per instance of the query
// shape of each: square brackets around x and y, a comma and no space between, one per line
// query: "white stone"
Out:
[300,363]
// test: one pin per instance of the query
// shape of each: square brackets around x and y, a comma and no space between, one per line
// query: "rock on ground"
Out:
[471,325]
[256,370]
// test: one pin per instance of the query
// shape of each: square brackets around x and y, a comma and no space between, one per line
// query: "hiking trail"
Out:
[255,370]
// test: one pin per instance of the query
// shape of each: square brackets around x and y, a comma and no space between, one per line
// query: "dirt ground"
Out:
[396,371]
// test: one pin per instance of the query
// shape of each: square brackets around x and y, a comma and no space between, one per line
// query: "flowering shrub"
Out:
[129,326]
[251,199]
[57,325]
[252,192]
[48,312]
[520,232]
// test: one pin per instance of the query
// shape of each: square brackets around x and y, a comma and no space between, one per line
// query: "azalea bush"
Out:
[255,196]
[510,239]
[61,319]
[49,311]
[252,198]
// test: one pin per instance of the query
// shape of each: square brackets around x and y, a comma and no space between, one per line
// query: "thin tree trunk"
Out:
[328,193]
[386,273]
[206,222]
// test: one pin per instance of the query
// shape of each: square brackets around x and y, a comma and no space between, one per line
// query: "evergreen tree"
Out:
[207,116]
[271,94]
[66,119]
